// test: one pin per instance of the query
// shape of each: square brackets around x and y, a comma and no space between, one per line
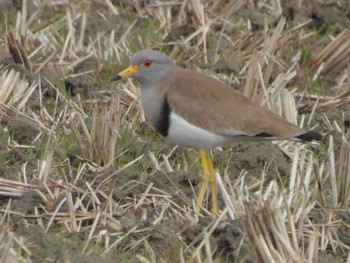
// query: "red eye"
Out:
[147,64]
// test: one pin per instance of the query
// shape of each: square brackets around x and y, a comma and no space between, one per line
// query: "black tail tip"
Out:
[116,77]
[310,136]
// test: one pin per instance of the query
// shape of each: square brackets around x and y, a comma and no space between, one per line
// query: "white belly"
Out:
[183,133]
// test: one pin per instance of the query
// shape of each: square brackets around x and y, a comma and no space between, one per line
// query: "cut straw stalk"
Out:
[14,90]
[10,188]
[332,171]
[270,218]
[335,56]
[97,143]
[343,182]
[261,66]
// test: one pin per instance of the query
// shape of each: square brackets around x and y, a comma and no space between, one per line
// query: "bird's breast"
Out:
[157,110]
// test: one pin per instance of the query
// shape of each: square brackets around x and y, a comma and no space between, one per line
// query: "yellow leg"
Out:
[205,180]
[208,176]
[214,191]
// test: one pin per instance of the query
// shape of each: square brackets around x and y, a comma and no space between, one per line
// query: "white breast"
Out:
[183,133]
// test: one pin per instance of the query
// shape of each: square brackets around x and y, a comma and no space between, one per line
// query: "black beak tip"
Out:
[116,77]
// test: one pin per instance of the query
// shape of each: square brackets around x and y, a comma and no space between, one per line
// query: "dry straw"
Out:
[290,219]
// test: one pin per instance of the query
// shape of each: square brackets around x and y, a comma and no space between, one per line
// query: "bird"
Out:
[196,110]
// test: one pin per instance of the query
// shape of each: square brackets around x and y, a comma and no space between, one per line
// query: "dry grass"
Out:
[15,90]
[86,143]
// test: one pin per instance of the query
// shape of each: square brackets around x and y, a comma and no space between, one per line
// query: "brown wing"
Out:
[208,103]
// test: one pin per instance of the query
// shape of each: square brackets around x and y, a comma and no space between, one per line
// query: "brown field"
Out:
[83,176]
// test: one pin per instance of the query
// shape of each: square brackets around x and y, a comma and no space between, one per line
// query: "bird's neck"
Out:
[152,99]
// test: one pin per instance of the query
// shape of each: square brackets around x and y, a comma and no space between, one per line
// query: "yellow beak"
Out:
[126,73]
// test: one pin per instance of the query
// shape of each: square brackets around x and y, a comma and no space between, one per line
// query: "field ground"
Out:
[84,178]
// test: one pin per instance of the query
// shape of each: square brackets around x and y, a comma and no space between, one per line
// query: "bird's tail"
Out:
[310,136]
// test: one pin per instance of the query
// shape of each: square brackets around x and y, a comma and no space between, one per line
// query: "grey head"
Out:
[152,66]
[148,67]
